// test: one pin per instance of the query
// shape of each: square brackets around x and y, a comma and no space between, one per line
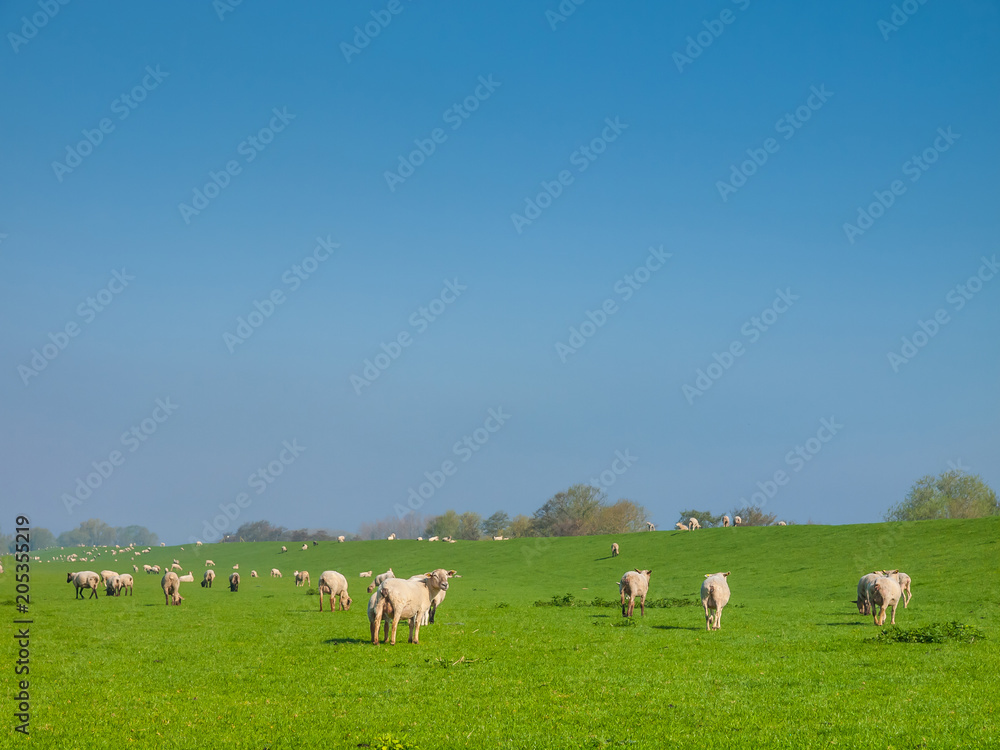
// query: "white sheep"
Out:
[864,600]
[432,538]
[714,595]
[782,523]
[106,575]
[171,586]
[428,618]
[197,544]
[650,526]
[175,566]
[234,582]
[236,566]
[155,568]
[681,526]
[125,581]
[408,600]
[284,548]
[210,563]
[634,585]
[737,521]
[176,561]
[885,594]
[334,585]
[207,579]
[904,584]
[302,578]
[365,574]
[111,586]
[391,538]
[253,573]
[340,538]
[135,569]
[305,547]
[614,549]
[725,521]
[189,578]
[379,578]
[693,524]
[275,573]
[376,601]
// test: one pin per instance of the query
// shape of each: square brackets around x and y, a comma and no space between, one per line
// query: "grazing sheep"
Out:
[334,585]
[206,581]
[614,549]
[782,523]
[171,588]
[284,548]
[234,582]
[714,595]
[111,586]
[189,578]
[155,568]
[106,575]
[366,574]
[885,593]
[253,573]
[175,566]
[379,578]
[681,527]
[302,578]
[864,600]
[436,601]
[408,600]
[305,547]
[315,543]
[634,585]
[340,538]
[432,539]
[275,573]
[125,582]
[904,585]
[650,527]
[176,561]
[197,544]
[209,563]
[86,579]
[693,524]
[135,569]
[725,521]
[737,521]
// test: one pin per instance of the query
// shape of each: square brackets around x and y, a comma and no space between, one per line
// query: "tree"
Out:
[705,518]
[469,526]
[42,538]
[260,531]
[569,513]
[140,535]
[520,527]
[92,532]
[446,524]
[952,494]
[496,524]
[621,518]
[753,515]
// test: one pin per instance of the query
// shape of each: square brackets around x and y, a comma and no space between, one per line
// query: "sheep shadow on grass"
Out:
[342,641]
[675,627]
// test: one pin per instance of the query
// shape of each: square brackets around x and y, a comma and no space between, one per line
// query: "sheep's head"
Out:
[345,601]
[440,578]
[177,599]
[69,577]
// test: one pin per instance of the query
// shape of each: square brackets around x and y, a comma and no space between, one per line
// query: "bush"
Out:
[938,632]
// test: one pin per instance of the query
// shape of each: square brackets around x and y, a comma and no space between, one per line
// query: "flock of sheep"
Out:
[883,589]
[693,524]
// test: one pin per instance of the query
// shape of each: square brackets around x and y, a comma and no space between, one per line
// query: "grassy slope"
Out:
[790,668]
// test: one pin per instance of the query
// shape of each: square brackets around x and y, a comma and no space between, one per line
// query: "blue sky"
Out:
[865,98]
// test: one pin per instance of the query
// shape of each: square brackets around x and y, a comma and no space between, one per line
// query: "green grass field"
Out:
[792,667]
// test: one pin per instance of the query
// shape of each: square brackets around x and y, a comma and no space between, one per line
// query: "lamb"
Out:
[86,579]
[340,538]
[885,593]
[714,595]
[234,582]
[737,521]
[125,581]
[379,578]
[693,524]
[135,569]
[275,573]
[236,566]
[904,584]
[409,600]
[176,561]
[432,539]
[171,588]
[302,578]
[106,575]
[284,548]
[155,569]
[725,521]
[209,563]
[111,586]
[189,578]
[176,566]
[377,601]
[334,585]
[864,600]
[366,574]
[650,526]
[305,547]
[206,581]
[634,584]
[197,544]
[253,573]
[681,527]
[614,549]
[391,537]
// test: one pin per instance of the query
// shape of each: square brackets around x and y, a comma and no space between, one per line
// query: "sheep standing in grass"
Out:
[111,586]
[693,524]
[376,601]
[904,584]
[737,521]
[176,566]
[634,585]
[302,578]
[379,578]
[171,588]
[275,573]
[436,601]
[334,585]
[284,548]
[864,600]
[135,568]
[86,579]
[715,596]
[341,538]
[725,521]
[253,573]
[408,600]
[106,575]
[210,563]
[125,582]
[234,582]
[207,579]
[782,523]
[148,569]
[885,593]
[155,568]
[614,549]
[681,527]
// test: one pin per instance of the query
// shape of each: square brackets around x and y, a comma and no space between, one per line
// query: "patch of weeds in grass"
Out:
[570,601]
[388,742]
[938,632]
[558,601]
[502,605]
[7,603]
[447,664]
[626,622]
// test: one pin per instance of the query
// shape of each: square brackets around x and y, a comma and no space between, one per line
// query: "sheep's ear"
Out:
[451,573]
[726,573]
[708,575]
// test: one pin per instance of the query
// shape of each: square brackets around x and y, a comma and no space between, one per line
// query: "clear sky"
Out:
[448,192]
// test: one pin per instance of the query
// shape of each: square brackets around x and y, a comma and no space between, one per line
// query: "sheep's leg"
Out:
[893,613]
[395,625]
[642,605]
[433,609]
[718,618]
[415,629]
[708,617]
[321,600]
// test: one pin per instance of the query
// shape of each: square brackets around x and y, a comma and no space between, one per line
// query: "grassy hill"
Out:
[793,666]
